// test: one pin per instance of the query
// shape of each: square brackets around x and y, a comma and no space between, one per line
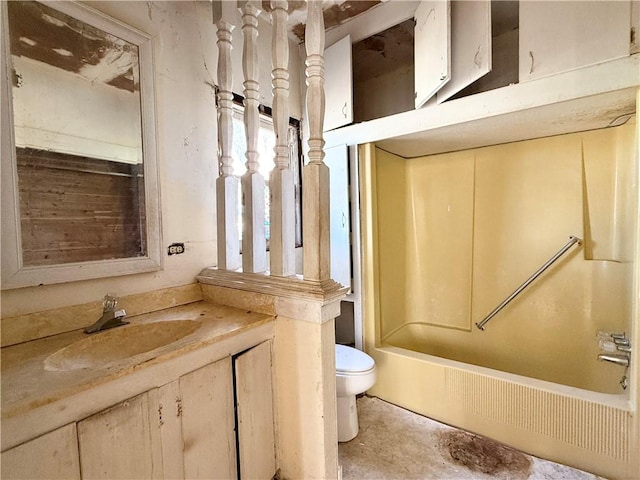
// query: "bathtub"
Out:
[587,430]
[530,380]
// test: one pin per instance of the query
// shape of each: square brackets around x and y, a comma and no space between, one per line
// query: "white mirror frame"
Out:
[14,274]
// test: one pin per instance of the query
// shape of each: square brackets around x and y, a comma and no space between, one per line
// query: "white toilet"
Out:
[355,373]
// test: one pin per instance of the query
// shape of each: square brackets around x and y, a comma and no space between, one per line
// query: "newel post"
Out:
[226,183]
[315,175]
[282,213]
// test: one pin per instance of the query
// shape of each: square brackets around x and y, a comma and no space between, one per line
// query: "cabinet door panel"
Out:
[560,36]
[432,43]
[208,422]
[338,85]
[470,45]
[336,158]
[53,455]
[169,406]
[118,442]
[254,395]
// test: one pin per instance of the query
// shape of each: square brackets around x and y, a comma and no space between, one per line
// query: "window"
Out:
[266,143]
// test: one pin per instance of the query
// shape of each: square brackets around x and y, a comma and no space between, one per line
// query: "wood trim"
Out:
[293,287]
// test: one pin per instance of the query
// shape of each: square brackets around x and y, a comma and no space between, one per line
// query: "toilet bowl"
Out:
[355,373]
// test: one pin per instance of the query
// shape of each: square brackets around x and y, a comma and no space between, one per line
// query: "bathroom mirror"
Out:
[79,176]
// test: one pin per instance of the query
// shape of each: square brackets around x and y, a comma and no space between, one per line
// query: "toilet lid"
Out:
[349,359]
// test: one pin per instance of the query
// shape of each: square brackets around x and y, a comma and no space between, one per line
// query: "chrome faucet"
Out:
[111,315]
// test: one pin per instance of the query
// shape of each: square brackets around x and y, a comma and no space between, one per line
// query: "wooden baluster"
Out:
[254,247]
[315,174]
[282,218]
[226,183]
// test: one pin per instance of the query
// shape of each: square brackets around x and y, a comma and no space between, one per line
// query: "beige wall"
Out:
[457,233]
[185,56]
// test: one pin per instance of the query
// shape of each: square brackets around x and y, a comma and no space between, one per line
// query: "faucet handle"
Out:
[110,302]
[621,341]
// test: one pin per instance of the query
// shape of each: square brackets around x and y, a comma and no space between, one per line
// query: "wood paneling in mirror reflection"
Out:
[78,209]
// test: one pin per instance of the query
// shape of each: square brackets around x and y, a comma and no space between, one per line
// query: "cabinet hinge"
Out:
[178,406]
[160,415]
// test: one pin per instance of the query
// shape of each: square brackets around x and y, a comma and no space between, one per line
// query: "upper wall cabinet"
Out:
[438,50]
[585,32]
[337,86]
[437,47]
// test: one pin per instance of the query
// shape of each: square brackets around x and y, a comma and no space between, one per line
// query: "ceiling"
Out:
[336,12]
[46,35]
[41,33]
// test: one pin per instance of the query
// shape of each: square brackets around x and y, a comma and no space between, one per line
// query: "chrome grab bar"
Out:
[572,241]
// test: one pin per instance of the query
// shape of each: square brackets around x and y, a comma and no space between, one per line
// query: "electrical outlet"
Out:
[175,249]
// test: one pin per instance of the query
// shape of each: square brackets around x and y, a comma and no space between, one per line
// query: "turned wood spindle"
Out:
[315,175]
[282,205]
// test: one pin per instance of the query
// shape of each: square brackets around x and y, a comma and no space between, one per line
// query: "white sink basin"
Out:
[99,350]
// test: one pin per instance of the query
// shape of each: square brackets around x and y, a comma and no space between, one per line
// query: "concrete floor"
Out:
[394,443]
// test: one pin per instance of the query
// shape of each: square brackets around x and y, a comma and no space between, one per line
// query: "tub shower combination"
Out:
[613,343]
[447,237]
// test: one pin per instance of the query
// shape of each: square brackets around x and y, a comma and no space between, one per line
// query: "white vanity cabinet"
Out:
[184,429]
[188,428]
[53,455]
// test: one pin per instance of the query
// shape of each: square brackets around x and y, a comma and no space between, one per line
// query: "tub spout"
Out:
[613,358]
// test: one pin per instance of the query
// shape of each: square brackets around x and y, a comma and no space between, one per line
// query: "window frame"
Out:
[296,164]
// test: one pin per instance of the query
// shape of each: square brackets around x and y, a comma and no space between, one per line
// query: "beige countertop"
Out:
[28,386]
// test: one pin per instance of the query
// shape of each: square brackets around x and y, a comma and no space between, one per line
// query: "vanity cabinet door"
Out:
[254,404]
[198,422]
[208,422]
[53,455]
[169,407]
[121,442]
